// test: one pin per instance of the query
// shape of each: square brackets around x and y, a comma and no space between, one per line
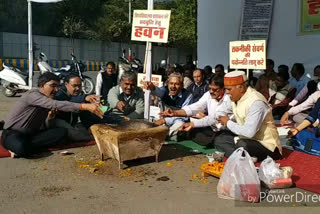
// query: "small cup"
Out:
[98,100]
[211,159]
[221,154]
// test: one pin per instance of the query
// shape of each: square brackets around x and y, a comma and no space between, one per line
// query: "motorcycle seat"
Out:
[22,72]
[65,73]
[56,71]
[66,68]
[16,69]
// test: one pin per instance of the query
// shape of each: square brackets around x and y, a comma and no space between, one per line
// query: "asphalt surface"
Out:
[53,183]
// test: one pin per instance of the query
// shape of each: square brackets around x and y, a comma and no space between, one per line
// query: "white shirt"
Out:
[308,103]
[256,114]
[99,83]
[215,109]
[302,94]
[186,82]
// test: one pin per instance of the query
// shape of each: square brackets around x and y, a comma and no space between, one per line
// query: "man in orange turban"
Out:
[254,128]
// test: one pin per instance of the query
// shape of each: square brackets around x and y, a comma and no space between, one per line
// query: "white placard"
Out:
[248,54]
[150,25]
[154,112]
[155,79]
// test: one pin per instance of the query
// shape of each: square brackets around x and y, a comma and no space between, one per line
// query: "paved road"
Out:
[53,183]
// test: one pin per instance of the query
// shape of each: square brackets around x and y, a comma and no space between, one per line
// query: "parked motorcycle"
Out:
[76,67]
[13,80]
[135,65]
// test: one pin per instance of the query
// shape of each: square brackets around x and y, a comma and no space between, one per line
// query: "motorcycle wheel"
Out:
[8,92]
[87,85]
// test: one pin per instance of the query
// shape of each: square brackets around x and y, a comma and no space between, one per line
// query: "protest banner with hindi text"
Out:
[155,79]
[150,25]
[310,16]
[256,19]
[248,54]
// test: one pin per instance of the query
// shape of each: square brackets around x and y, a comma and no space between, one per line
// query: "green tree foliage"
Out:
[182,31]
[88,11]
[72,28]
[13,16]
[99,19]
[83,12]
[47,19]
[113,25]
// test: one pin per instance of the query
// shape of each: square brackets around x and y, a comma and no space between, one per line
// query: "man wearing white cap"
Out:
[254,129]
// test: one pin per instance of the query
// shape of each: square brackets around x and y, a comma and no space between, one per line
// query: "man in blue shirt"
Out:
[298,79]
[173,96]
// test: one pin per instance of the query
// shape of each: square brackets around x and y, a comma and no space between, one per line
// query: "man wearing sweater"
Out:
[77,131]
[126,100]
[106,79]
[173,96]
[199,86]
[22,134]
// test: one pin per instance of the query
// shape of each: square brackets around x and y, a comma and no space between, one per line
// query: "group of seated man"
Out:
[225,110]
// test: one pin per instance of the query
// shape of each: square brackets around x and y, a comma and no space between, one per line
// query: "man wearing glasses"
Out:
[204,130]
[254,128]
[23,134]
[71,91]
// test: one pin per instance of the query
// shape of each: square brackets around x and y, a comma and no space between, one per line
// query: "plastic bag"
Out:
[273,176]
[239,179]
[269,171]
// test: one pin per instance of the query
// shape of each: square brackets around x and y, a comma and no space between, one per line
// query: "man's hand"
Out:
[160,122]
[187,127]
[284,119]
[223,120]
[148,85]
[200,115]
[293,132]
[93,108]
[120,106]
[52,114]
[93,98]
[126,118]
[167,113]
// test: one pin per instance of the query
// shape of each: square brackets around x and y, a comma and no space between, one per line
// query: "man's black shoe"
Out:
[1,124]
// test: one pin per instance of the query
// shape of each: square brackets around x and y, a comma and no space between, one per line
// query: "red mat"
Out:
[5,153]
[287,124]
[306,169]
